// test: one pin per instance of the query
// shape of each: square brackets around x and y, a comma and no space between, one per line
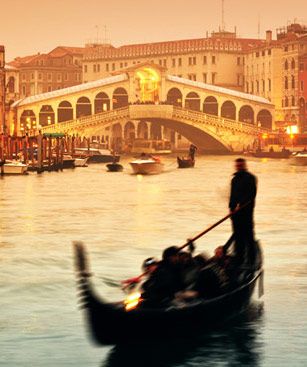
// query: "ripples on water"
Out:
[123,219]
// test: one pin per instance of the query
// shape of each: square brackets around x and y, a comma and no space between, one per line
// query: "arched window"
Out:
[264,117]
[84,107]
[129,131]
[286,82]
[120,98]
[246,114]
[65,111]
[192,101]
[101,103]
[174,97]
[286,102]
[228,110]
[46,115]
[11,84]
[293,101]
[286,65]
[293,82]
[293,64]
[210,106]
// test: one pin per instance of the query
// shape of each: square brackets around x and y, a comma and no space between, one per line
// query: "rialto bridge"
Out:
[144,102]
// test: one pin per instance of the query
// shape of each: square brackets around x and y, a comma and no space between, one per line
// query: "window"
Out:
[302,85]
[213,59]
[164,62]
[286,102]
[263,85]
[269,52]
[293,82]
[126,64]
[257,86]
[49,88]
[50,77]
[293,101]
[293,64]
[286,49]
[121,65]
[190,60]
[247,87]
[238,79]
[59,77]
[85,68]
[238,60]
[113,66]
[98,68]
[173,63]
[66,76]
[24,90]
[286,83]
[263,53]
[205,60]
[192,77]
[40,76]
[194,60]
[94,68]
[270,84]
[257,54]
[160,62]
[205,77]
[252,88]
[213,78]
[286,65]
[32,76]
[107,67]
[179,61]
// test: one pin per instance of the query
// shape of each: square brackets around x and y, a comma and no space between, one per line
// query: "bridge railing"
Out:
[216,121]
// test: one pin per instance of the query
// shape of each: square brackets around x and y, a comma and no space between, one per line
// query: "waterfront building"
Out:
[41,73]
[218,59]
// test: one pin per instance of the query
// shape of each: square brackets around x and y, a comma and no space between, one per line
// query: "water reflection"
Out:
[237,344]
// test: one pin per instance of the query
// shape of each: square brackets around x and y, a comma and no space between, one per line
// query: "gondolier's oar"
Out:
[201,234]
[135,280]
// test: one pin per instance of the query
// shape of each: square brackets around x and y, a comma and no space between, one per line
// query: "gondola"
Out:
[185,162]
[111,323]
[115,167]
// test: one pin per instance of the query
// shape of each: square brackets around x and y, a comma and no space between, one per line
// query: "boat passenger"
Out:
[162,284]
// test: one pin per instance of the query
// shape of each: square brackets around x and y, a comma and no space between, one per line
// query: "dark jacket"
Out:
[243,189]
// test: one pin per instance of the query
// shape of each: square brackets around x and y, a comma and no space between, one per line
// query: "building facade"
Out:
[217,60]
[276,71]
[2,90]
[41,73]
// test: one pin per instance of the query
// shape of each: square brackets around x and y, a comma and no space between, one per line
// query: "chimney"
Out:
[269,36]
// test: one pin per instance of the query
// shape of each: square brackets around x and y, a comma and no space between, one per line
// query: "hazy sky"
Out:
[31,26]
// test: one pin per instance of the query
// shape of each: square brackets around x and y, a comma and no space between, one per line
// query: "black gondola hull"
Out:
[185,162]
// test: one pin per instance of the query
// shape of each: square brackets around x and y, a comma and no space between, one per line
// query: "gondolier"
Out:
[192,151]
[243,190]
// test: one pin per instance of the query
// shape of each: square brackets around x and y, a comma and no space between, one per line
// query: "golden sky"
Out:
[31,26]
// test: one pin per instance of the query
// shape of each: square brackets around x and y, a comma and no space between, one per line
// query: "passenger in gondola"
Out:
[243,191]
[192,151]
[162,284]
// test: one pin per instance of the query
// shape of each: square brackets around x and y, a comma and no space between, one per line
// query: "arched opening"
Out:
[65,112]
[46,115]
[27,121]
[174,97]
[120,98]
[246,114]
[264,119]
[142,130]
[155,131]
[84,107]
[129,131]
[192,101]
[228,110]
[101,103]
[211,106]
[11,84]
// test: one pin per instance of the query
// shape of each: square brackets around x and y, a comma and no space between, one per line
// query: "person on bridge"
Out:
[192,151]
[243,191]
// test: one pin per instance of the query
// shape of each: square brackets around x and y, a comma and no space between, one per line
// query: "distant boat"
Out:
[299,159]
[185,162]
[14,168]
[147,166]
[68,161]
[115,167]
[81,162]
[96,155]
[284,154]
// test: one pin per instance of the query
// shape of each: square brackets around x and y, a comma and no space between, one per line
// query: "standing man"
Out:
[192,151]
[243,191]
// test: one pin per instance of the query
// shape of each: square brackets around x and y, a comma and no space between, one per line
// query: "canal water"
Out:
[123,219]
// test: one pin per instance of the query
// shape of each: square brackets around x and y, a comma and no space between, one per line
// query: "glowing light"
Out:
[293,129]
[264,136]
[132,301]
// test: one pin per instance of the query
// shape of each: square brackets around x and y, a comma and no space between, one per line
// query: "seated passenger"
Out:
[162,284]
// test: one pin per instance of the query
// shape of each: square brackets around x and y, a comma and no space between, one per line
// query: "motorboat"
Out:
[96,155]
[68,161]
[14,168]
[81,162]
[147,166]
[299,158]
[185,162]
[127,321]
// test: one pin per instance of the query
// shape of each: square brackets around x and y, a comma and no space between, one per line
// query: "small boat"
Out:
[185,162]
[14,168]
[115,323]
[283,154]
[147,166]
[68,161]
[96,155]
[81,162]
[299,158]
[115,167]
